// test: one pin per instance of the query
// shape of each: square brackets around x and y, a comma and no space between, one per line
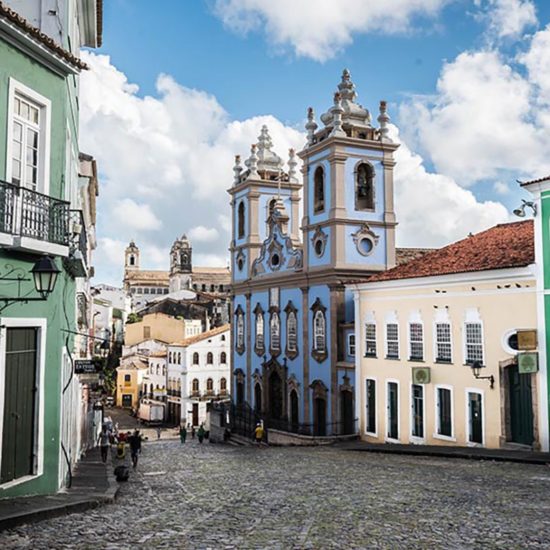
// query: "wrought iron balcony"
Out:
[29,216]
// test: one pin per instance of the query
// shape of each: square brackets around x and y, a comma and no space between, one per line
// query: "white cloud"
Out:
[501,188]
[137,195]
[203,234]
[509,18]
[481,124]
[165,164]
[137,216]
[432,209]
[320,29]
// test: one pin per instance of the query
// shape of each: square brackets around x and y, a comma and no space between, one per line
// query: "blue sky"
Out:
[428,63]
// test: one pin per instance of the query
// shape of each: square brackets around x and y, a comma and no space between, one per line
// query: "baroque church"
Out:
[293,335]
[182,281]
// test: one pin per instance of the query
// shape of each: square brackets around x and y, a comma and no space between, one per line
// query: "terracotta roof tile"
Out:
[41,37]
[202,336]
[502,246]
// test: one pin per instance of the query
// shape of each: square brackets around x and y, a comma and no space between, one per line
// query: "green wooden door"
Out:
[521,406]
[476,417]
[393,411]
[18,439]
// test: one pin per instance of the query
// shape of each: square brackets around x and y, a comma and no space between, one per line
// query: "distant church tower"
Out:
[181,265]
[131,257]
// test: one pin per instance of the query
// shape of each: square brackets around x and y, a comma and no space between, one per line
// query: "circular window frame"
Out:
[275,264]
[504,341]
[370,240]
[319,243]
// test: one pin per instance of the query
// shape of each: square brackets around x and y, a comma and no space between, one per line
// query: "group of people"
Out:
[108,437]
[201,432]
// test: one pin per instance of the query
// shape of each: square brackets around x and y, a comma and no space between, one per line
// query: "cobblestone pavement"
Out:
[210,496]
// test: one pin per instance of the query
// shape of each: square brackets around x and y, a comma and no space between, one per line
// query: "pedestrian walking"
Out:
[259,433]
[158,432]
[135,446]
[200,433]
[104,441]
[183,433]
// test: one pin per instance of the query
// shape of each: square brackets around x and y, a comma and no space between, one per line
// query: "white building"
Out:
[199,372]
[153,385]
[111,307]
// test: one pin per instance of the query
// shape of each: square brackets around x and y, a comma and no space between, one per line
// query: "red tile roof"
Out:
[503,246]
[202,336]
[39,36]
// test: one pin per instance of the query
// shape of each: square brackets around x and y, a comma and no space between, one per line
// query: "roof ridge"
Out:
[42,37]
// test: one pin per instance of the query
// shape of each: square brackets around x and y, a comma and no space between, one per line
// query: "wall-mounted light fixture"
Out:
[520,212]
[44,273]
[476,369]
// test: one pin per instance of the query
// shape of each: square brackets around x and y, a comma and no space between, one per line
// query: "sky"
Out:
[177,91]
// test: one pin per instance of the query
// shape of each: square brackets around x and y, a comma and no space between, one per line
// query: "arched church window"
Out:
[364,187]
[209,358]
[209,384]
[223,384]
[319,332]
[240,332]
[291,331]
[319,190]
[240,221]
[195,384]
[132,260]
[195,358]
[259,331]
[275,332]
[223,358]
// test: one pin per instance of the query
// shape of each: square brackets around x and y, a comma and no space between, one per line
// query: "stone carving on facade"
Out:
[277,252]
[319,350]
[291,311]
[319,241]
[259,343]
[365,240]
[240,334]
[320,391]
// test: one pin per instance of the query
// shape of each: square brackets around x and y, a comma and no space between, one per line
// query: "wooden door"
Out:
[19,425]
[521,406]
[346,403]
[476,418]
[393,426]
[320,417]
[195,414]
[294,414]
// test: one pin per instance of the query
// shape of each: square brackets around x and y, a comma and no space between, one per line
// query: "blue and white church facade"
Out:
[293,318]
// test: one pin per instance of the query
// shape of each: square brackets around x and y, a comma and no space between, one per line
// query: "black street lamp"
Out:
[476,369]
[44,273]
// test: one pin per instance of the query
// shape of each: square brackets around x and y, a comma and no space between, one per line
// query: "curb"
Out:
[462,455]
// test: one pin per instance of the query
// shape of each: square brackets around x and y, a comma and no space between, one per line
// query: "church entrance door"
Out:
[319,416]
[275,396]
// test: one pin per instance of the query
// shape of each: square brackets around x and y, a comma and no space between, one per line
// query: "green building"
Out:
[41,217]
[540,207]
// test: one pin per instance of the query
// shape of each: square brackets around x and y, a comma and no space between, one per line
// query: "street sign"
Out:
[527,340]
[86,366]
[528,362]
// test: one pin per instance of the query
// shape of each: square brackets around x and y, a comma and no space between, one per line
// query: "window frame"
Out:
[437,424]
[465,341]
[367,410]
[351,345]
[387,342]
[436,342]
[387,415]
[371,183]
[416,438]
[369,324]
[468,430]
[44,104]
[319,206]
[411,342]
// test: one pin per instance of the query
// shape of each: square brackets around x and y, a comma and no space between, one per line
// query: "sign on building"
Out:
[87,366]
[527,340]
[528,362]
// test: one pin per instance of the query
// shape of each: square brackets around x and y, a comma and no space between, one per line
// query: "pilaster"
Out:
[305,354]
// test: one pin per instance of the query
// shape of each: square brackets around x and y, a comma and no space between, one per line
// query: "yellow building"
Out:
[436,344]
[160,327]
[128,384]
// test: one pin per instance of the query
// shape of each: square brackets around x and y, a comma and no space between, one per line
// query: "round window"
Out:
[365,246]
[513,341]
[275,260]
[319,246]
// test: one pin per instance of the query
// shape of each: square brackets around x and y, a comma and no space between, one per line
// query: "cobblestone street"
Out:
[209,496]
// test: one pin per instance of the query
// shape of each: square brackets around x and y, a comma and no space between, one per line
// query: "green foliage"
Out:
[132,318]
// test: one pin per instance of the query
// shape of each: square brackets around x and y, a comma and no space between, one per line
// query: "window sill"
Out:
[414,440]
[443,362]
[416,360]
[444,437]
[392,358]
[371,434]
[392,440]
[370,356]
[19,481]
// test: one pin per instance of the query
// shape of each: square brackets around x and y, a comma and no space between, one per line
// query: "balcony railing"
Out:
[27,213]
